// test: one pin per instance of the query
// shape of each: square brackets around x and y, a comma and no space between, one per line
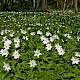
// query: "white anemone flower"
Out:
[16,54]
[48,47]
[8,41]
[48,33]
[45,41]
[2,32]
[6,66]
[6,46]
[42,37]
[28,28]
[58,47]
[4,38]
[23,31]
[25,38]
[17,45]
[39,32]
[37,53]
[55,36]
[11,34]
[47,28]
[6,31]
[51,39]
[4,52]
[61,52]
[32,33]
[75,60]
[32,63]
[16,40]
[78,38]
[77,54]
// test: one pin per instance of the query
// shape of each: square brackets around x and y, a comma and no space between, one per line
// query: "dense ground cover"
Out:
[39,46]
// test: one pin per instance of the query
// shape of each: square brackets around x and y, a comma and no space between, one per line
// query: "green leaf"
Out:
[68,75]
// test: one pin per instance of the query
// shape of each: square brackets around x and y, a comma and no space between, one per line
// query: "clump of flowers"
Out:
[59,49]
[53,37]
[30,48]
[68,36]
[17,42]
[25,38]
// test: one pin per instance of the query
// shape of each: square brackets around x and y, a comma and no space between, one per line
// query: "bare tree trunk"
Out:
[75,5]
[37,3]
[44,2]
[57,3]
[64,5]
[34,4]
[72,2]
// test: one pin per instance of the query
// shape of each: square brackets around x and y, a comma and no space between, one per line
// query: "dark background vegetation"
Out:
[39,5]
